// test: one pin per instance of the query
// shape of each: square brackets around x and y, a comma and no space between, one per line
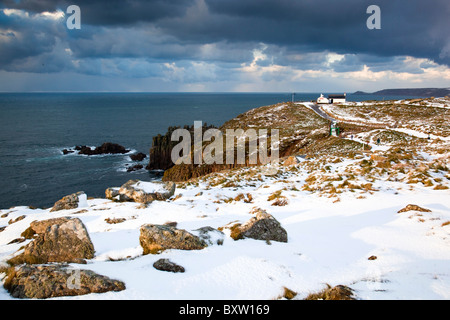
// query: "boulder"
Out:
[112,193]
[167,265]
[57,240]
[210,235]
[157,238]
[72,201]
[39,227]
[135,168]
[138,156]
[65,151]
[141,191]
[261,227]
[48,281]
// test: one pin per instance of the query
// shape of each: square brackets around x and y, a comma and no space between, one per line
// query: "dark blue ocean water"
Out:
[35,127]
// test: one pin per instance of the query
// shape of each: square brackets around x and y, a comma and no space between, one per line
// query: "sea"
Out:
[36,127]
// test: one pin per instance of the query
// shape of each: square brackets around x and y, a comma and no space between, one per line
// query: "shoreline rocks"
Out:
[135,168]
[138,156]
[105,148]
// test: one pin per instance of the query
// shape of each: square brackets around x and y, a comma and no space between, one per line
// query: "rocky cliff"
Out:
[298,126]
[160,152]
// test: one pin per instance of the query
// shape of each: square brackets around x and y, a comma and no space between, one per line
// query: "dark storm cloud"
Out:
[414,27]
[108,12]
[28,38]
[295,33]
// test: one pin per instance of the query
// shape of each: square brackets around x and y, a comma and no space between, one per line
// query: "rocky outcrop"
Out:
[157,238]
[160,158]
[56,240]
[141,191]
[183,172]
[72,201]
[299,128]
[261,227]
[138,156]
[135,168]
[67,151]
[162,145]
[49,281]
[167,265]
[413,207]
[105,148]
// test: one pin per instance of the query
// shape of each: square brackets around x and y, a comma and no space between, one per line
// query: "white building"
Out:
[322,99]
[337,98]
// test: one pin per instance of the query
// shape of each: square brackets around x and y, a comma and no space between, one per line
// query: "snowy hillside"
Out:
[340,212]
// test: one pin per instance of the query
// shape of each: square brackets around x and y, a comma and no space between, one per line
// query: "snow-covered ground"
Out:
[331,232]
[328,243]
[419,134]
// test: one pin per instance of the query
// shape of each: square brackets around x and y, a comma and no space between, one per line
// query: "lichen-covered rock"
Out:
[72,201]
[38,227]
[167,265]
[48,281]
[141,191]
[261,227]
[157,238]
[57,240]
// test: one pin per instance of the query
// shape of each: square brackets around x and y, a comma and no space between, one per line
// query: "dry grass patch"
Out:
[447,223]
[275,195]
[247,198]
[339,292]
[280,202]
[287,294]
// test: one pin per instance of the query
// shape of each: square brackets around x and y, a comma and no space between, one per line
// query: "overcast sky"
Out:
[223,45]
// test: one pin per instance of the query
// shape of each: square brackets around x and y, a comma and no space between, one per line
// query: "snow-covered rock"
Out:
[72,201]
[142,191]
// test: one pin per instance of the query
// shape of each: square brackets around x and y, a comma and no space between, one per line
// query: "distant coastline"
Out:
[420,92]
